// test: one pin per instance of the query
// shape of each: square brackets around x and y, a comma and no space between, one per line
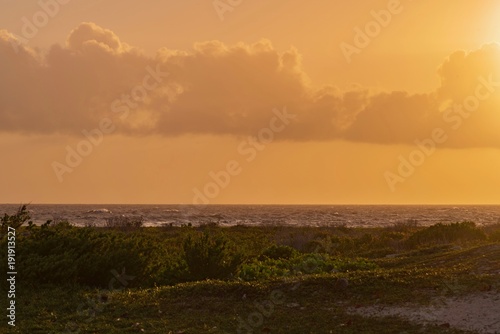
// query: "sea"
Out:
[287,215]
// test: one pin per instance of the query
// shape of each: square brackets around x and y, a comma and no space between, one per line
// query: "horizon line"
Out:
[269,204]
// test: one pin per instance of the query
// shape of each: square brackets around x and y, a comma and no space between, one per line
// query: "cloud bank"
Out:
[231,90]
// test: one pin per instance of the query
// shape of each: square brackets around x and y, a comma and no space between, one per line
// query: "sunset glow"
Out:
[277,102]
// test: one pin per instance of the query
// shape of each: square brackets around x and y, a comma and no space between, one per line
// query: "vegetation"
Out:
[20,218]
[211,256]
[446,234]
[125,278]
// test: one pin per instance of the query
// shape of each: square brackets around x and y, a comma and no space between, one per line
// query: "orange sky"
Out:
[260,102]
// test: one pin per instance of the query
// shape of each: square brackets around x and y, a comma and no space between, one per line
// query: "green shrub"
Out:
[65,254]
[445,234]
[279,252]
[211,255]
[267,269]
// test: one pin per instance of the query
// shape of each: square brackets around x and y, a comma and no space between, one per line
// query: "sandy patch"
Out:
[478,312]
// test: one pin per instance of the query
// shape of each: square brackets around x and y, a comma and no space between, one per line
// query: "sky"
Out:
[250,102]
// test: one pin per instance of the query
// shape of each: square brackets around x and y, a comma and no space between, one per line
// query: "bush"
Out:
[63,254]
[445,234]
[276,252]
[211,255]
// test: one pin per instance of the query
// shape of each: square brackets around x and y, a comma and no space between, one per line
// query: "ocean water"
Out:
[298,215]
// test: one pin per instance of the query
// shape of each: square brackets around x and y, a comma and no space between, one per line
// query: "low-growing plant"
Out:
[303,264]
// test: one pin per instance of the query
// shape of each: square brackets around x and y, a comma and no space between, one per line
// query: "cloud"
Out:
[395,117]
[228,90]
[89,35]
[460,71]
[69,88]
